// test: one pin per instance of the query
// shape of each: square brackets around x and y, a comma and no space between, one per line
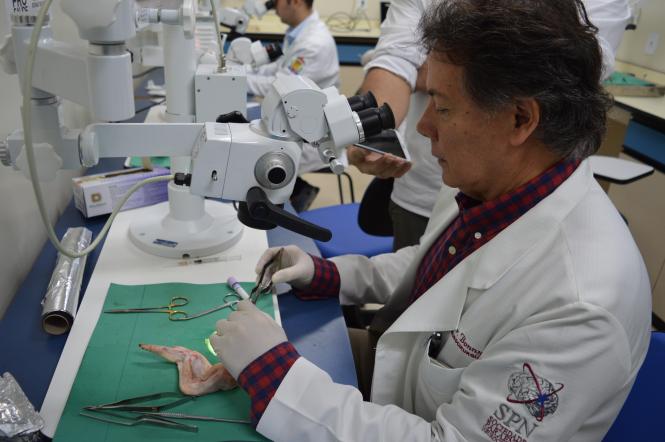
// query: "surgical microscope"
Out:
[149,44]
[253,163]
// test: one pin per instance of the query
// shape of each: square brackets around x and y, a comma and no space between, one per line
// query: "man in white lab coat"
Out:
[524,312]
[309,49]
[392,75]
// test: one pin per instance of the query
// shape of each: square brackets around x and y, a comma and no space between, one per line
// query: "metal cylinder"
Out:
[62,295]
[110,82]
[179,71]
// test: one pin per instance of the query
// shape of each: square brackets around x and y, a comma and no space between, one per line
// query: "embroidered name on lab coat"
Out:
[464,346]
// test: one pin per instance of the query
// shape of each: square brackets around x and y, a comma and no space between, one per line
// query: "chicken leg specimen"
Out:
[197,375]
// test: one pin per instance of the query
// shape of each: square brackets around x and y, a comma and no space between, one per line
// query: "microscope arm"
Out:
[104,140]
[227,159]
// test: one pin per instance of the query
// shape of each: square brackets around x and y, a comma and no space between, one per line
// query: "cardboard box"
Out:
[98,194]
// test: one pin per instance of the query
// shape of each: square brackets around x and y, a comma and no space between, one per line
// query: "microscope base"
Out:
[158,233]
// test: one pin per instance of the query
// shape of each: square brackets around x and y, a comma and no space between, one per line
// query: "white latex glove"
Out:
[296,267]
[244,336]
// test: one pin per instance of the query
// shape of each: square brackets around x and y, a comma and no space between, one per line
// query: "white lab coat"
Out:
[317,50]
[398,51]
[562,289]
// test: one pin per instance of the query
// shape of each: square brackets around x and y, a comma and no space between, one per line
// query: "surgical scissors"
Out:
[176,301]
[230,301]
[184,316]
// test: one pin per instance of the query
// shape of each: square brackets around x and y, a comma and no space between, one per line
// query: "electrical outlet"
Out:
[652,43]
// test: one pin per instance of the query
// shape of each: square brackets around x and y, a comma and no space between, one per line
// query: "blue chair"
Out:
[642,415]
[348,238]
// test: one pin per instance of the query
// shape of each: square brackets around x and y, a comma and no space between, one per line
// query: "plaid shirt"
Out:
[476,223]
[261,378]
[325,283]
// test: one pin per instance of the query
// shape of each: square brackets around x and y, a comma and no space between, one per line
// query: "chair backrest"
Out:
[642,415]
[347,236]
[373,214]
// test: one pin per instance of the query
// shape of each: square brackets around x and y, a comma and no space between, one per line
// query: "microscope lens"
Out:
[374,120]
[360,102]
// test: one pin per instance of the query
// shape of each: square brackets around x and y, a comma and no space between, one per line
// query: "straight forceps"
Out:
[264,280]
[105,412]
[131,403]
[113,418]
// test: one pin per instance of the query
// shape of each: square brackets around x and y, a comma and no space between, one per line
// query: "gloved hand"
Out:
[244,336]
[295,267]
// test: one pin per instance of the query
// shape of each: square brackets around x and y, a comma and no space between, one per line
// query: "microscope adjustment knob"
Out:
[5,157]
[274,170]
[336,166]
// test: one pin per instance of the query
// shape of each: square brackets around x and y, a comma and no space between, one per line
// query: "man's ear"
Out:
[526,117]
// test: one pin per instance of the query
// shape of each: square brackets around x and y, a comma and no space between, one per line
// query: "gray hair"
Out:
[544,49]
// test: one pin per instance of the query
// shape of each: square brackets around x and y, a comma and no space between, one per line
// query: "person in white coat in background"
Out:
[309,50]
[524,313]
[392,75]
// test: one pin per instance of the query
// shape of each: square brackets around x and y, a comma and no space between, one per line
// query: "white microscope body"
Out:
[188,224]
[97,77]
[238,19]
[254,163]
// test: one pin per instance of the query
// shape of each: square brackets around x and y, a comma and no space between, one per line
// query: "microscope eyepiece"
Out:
[374,120]
[360,102]
[270,4]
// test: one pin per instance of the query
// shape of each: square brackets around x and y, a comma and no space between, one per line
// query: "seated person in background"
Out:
[310,51]
[524,313]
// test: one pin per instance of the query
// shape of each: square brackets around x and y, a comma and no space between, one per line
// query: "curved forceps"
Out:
[231,300]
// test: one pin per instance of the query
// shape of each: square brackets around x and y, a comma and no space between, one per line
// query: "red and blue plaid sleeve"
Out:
[325,283]
[261,378]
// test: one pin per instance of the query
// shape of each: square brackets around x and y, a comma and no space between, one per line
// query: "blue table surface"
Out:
[316,328]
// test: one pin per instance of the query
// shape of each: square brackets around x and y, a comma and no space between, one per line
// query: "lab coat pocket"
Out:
[436,385]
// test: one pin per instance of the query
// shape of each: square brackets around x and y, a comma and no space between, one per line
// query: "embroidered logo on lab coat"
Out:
[297,65]
[539,397]
[538,394]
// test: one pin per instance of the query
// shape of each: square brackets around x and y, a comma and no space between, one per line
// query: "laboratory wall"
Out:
[650,29]
[22,234]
